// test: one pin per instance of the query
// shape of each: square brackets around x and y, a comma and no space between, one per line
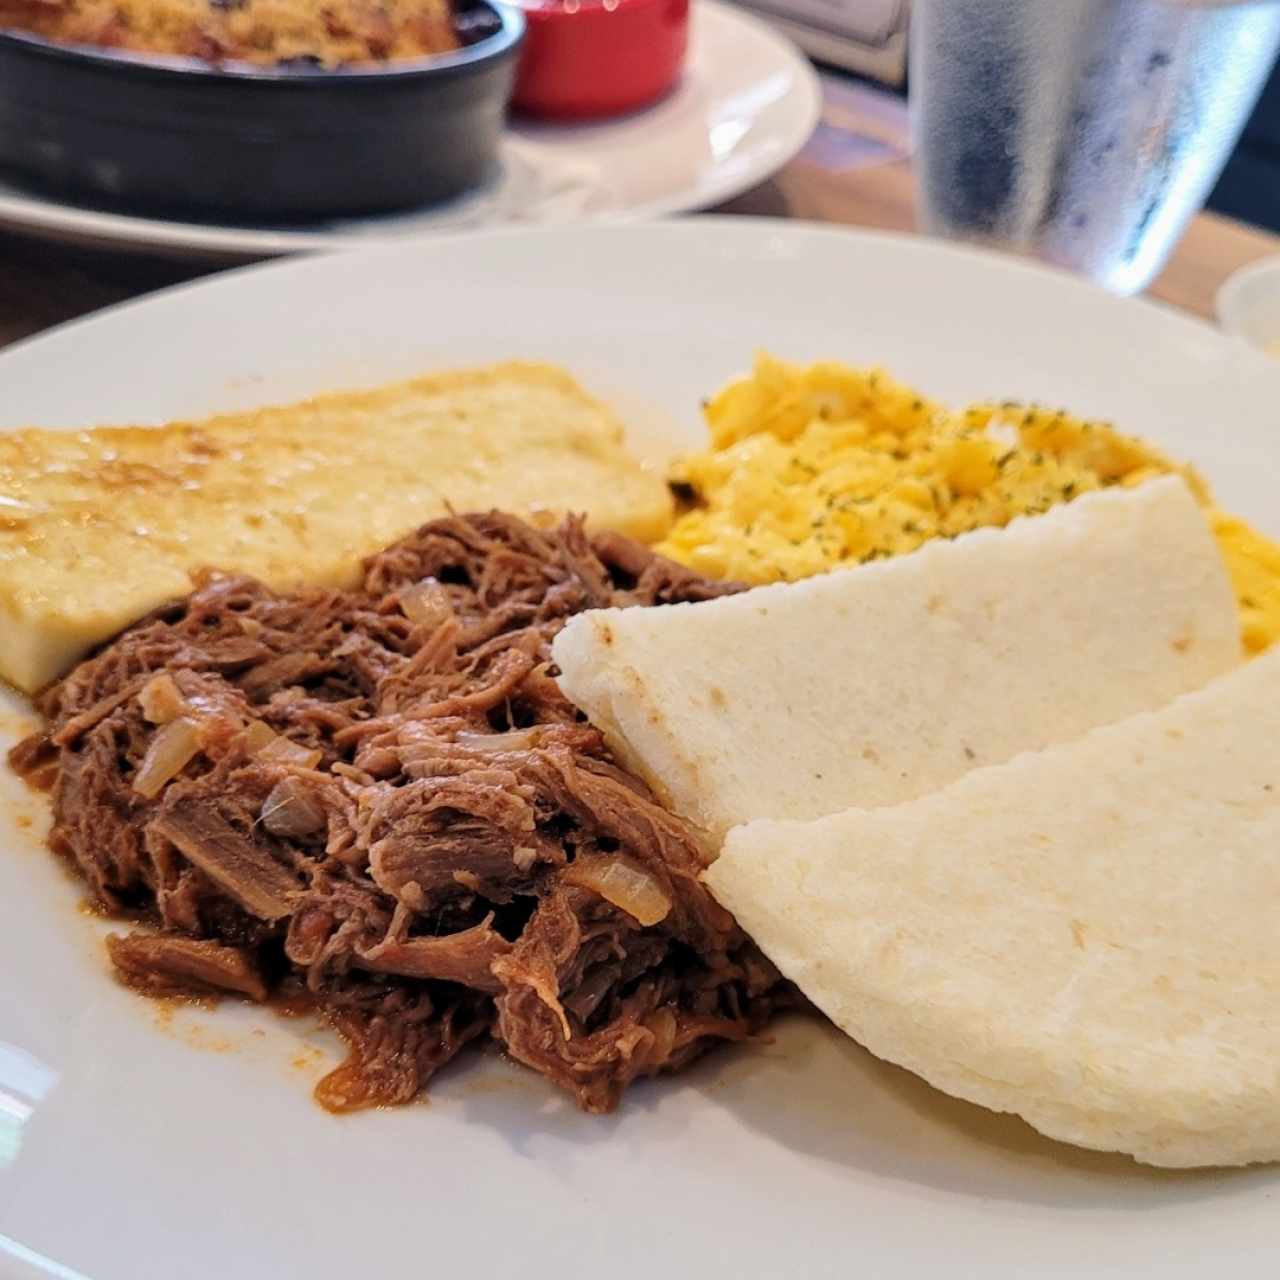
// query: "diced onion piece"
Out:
[512,740]
[259,734]
[623,882]
[216,712]
[426,603]
[282,751]
[662,1022]
[168,753]
[161,700]
[291,810]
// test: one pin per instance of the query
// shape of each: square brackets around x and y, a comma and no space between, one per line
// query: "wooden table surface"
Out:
[855,170]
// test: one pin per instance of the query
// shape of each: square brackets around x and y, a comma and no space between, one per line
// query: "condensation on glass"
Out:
[1084,132]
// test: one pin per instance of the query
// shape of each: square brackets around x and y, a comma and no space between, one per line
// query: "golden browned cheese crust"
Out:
[260,31]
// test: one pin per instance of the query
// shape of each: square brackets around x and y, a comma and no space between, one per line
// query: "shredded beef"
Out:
[161,965]
[379,813]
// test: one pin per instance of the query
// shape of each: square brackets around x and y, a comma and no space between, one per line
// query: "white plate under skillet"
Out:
[746,104]
[138,1149]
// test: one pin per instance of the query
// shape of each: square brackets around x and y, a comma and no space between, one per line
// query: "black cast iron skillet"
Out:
[154,134]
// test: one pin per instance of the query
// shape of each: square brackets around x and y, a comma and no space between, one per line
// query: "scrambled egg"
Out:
[813,468]
[1253,563]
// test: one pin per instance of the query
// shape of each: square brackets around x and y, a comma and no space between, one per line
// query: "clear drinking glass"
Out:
[1083,132]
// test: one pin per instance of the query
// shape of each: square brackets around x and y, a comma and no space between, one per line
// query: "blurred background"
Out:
[869,38]
[1134,142]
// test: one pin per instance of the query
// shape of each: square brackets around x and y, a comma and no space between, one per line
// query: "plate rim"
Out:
[703,223]
[57,221]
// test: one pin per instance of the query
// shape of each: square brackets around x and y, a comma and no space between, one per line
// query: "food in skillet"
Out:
[338,32]
[377,803]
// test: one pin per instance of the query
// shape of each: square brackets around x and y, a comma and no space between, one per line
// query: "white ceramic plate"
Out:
[746,104]
[134,1150]
[1248,303]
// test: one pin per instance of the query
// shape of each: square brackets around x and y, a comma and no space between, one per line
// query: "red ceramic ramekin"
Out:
[592,58]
